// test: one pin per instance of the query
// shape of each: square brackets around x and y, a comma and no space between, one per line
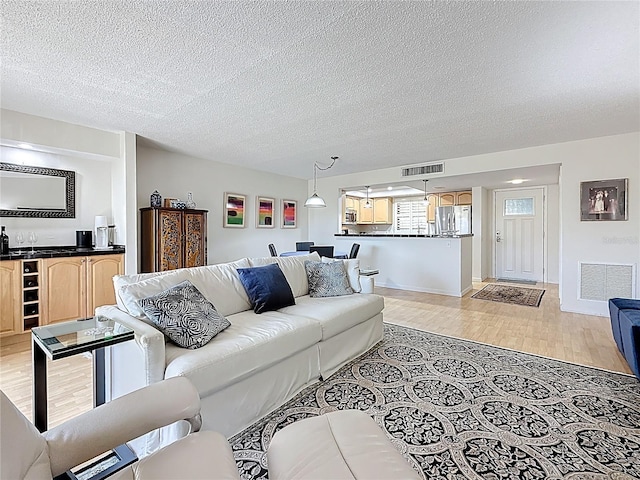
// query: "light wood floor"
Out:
[545,331]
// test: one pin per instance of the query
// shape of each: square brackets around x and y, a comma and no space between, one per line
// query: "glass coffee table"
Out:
[65,339]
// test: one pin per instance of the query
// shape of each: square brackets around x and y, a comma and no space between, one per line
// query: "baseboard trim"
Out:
[426,290]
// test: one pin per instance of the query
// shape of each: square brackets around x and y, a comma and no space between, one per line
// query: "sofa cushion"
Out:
[266,287]
[615,305]
[220,284]
[630,336]
[184,315]
[327,279]
[293,269]
[251,344]
[337,314]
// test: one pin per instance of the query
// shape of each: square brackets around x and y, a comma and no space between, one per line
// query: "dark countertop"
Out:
[400,235]
[58,251]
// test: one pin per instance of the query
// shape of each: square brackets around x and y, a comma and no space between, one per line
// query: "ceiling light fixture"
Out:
[367,203]
[426,199]
[314,201]
[516,181]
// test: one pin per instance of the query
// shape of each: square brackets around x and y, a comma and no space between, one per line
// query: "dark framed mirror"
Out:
[37,192]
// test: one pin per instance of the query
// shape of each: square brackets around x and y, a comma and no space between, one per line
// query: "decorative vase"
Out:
[190,203]
[155,200]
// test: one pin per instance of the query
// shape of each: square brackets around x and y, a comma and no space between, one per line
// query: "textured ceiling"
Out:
[278,85]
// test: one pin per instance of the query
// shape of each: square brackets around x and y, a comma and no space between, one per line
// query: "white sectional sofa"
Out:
[256,364]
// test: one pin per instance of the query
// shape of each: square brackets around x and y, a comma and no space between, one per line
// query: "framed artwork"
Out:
[604,200]
[234,210]
[289,213]
[265,211]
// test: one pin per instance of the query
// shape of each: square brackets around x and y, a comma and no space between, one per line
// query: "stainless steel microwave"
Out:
[350,217]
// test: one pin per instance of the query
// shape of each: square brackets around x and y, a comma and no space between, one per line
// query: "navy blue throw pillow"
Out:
[267,287]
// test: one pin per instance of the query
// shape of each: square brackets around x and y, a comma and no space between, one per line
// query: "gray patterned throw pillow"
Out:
[327,279]
[184,315]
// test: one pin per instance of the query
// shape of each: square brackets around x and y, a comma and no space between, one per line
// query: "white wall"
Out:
[124,204]
[616,156]
[104,163]
[93,196]
[55,136]
[480,231]
[174,175]
[553,234]
[608,242]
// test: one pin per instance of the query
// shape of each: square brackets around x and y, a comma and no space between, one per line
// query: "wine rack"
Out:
[30,293]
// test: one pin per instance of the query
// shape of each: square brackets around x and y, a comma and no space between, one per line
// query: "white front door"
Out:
[520,234]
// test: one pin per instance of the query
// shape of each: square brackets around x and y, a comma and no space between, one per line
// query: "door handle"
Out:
[498,237]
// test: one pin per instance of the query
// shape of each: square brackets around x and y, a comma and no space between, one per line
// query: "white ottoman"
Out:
[346,444]
[366,284]
[366,280]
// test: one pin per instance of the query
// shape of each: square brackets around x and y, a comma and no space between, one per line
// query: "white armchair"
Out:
[26,453]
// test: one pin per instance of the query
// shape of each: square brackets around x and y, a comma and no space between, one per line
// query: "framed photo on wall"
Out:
[603,200]
[265,212]
[234,210]
[289,214]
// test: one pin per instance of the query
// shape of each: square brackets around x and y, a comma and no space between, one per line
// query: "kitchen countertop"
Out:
[400,235]
[58,251]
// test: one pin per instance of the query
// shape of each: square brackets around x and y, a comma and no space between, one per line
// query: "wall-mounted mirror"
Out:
[38,192]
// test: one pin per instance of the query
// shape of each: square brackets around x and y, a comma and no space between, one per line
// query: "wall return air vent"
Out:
[423,169]
[601,281]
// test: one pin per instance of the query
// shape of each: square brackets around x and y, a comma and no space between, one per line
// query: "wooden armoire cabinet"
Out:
[172,238]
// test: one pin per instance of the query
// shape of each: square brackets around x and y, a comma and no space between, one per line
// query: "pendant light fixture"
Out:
[426,199]
[314,201]
[367,204]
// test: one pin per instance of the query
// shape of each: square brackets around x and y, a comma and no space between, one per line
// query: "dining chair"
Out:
[303,246]
[272,250]
[323,251]
[354,250]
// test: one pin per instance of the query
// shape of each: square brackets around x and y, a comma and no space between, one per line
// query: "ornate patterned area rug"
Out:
[462,410]
[529,297]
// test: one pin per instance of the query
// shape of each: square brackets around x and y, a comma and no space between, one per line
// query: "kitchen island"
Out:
[421,263]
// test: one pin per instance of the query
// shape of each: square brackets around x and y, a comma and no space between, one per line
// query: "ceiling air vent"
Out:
[423,169]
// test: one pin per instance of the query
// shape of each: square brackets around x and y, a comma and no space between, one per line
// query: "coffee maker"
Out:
[84,239]
[102,234]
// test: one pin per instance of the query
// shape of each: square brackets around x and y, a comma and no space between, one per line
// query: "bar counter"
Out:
[59,251]
[400,235]
[421,263]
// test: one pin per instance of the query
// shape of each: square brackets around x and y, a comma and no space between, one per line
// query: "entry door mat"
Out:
[457,409]
[494,292]
[512,280]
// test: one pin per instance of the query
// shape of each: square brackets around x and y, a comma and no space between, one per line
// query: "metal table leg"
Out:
[98,377]
[39,388]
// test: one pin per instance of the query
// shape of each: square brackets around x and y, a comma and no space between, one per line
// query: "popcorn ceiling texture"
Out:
[278,85]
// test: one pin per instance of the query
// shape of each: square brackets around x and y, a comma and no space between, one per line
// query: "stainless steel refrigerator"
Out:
[453,220]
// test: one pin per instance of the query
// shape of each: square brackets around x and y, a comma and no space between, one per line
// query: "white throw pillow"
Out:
[220,284]
[352,266]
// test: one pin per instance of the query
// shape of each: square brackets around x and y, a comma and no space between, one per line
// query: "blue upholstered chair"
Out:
[323,250]
[303,246]
[625,325]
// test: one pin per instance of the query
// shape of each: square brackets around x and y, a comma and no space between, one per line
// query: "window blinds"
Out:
[410,216]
